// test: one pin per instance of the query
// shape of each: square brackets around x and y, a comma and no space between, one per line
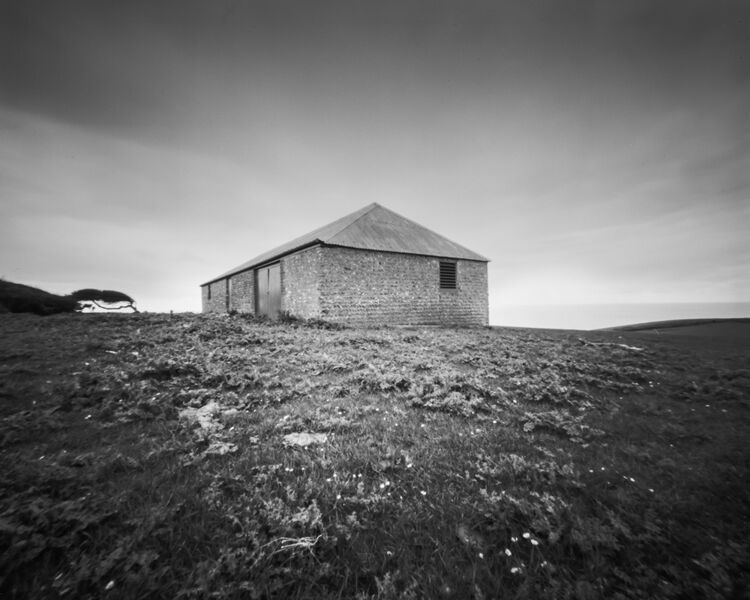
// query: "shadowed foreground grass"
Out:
[145,456]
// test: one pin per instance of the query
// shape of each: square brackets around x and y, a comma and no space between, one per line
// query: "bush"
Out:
[18,298]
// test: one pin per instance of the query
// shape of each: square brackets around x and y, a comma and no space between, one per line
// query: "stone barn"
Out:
[372,267]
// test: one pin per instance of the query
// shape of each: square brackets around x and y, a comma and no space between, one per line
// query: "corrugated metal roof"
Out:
[370,228]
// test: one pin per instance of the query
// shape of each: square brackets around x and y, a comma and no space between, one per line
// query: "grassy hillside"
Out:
[145,456]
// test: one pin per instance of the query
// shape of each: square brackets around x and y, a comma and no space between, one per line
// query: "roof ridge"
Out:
[363,211]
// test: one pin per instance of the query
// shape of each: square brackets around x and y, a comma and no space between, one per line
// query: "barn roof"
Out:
[373,227]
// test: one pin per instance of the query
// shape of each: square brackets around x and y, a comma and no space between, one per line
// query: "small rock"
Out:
[218,448]
[82,460]
[228,416]
[304,439]
[468,536]
[202,416]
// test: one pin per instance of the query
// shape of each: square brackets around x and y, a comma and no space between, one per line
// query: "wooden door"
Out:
[268,291]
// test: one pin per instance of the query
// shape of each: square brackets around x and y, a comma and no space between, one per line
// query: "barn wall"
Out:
[362,287]
[469,303]
[300,276]
[218,301]
[242,294]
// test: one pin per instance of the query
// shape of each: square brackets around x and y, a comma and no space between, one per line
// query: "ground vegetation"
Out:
[191,456]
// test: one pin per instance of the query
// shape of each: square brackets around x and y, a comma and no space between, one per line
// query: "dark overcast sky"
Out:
[596,151]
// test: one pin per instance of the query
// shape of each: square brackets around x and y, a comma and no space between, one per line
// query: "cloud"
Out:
[593,150]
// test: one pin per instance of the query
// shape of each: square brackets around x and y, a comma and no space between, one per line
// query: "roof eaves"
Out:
[265,260]
[441,245]
[479,257]
[308,242]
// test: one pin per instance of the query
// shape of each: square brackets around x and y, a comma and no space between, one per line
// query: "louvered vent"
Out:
[447,275]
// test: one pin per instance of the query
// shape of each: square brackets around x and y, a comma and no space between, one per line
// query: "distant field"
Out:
[706,327]
[149,456]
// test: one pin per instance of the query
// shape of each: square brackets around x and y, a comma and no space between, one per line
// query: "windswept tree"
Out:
[103,299]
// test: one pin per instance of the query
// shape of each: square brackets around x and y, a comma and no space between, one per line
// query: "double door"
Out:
[268,291]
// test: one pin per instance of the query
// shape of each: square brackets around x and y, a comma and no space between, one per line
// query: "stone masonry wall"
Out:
[300,279]
[360,287]
[218,300]
[242,292]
